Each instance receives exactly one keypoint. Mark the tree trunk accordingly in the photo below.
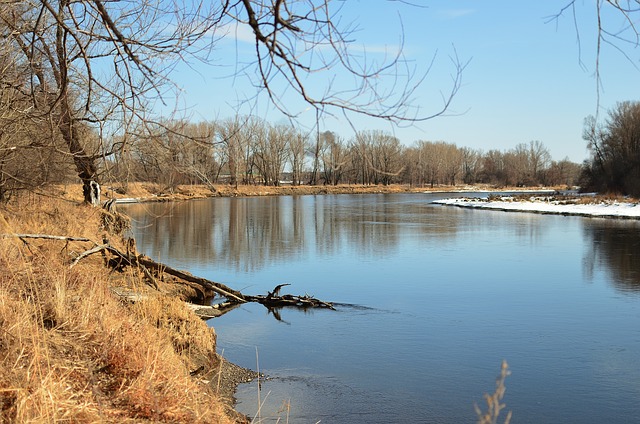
(85, 164)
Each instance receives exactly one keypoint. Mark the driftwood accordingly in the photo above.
(203, 311)
(218, 288)
(273, 300)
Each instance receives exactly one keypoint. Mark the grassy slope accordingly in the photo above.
(71, 350)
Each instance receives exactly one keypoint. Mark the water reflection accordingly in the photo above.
(614, 246)
(249, 233)
(447, 293)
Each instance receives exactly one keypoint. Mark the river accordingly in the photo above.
(430, 298)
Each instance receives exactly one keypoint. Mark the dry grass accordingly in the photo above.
(159, 192)
(70, 350)
(494, 400)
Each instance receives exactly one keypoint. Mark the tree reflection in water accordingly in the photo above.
(615, 246)
(249, 233)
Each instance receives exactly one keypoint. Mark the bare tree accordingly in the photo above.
(493, 168)
(96, 63)
(298, 144)
(471, 164)
(271, 151)
(316, 152)
(539, 159)
(386, 158)
(615, 151)
(231, 137)
(196, 161)
(452, 163)
(288, 36)
(334, 158)
(433, 162)
(362, 156)
(563, 172)
(516, 166)
(106, 64)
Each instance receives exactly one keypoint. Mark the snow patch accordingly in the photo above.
(540, 205)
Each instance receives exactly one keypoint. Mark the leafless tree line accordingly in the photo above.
(247, 150)
(81, 78)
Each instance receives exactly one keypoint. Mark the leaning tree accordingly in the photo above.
(107, 65)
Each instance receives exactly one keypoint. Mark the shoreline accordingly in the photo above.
(184, 345)
(98, 355)
(581, 206)
(149, 192)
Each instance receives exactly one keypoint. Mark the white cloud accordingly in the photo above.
(238, 32)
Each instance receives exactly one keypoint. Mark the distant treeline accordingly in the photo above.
(614, 166)
(251, 151)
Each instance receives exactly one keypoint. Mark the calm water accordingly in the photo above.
(434, 298)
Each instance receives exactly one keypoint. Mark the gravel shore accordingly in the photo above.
(226, 381)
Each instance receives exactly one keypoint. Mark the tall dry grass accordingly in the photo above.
(71, 351)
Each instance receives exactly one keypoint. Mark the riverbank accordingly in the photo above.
(73, 350)
(587, 206)
(151, 192)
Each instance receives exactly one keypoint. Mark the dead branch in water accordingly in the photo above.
(273, 300)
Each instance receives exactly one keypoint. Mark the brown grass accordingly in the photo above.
(72, 351)
(158, 192)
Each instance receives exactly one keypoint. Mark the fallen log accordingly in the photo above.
(218, 288)
(272, 300)
(44, 236)
(203, 311)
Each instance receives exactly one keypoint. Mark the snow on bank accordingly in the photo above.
(547, 206)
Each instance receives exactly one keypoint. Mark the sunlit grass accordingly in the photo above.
(72, 351)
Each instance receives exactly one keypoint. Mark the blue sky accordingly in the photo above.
(526, 79)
